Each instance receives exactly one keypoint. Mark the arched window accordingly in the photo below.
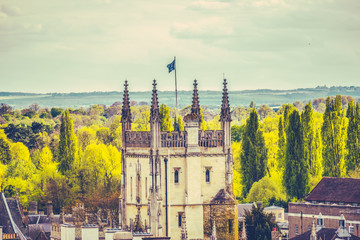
(176, 176)
(207, 175)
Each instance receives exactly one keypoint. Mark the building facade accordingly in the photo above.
(178, 184)
(331, 202)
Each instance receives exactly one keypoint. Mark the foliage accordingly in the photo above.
(333, 134)
(237, 132)
(296, 174)
(312, 142)
(254, 154)
(353, 136)
(56, 112)
(165, 120)
(68, 150)
(259, 224)
(265, 188)
(5, 155)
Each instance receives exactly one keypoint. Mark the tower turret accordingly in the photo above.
(225, 116)
(225, 119)
(125, 111)
(195, 107)
(155, 119)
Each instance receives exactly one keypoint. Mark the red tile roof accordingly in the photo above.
(331, 189)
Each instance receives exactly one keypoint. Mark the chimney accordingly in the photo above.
(49, 211)
(33, 208)
(90, 232)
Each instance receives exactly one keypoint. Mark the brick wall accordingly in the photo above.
(330, 213)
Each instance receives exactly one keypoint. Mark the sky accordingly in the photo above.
(95, 45)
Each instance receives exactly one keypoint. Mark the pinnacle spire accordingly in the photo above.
(195, 108)
(126, 112)
(154, 111)
(243, 231)
(225, 105)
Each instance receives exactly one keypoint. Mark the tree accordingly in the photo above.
(237, 132)
(311, 141)
(254, 154)
(5, 156)
(296, 176)
(45, 158)
(56, 111)
(165, 120)
(353, 135)
(281, 143)
(333, 134)
(259, 224)
(68, 149)
(265, 188)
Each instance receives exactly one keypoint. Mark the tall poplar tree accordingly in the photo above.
(311, 154)
(296, 174)
(68, 149)
(352, 143)
(254, 154)
(333, 133)
(281, 143)
(165, 120)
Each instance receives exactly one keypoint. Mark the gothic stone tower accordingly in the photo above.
(199, 176)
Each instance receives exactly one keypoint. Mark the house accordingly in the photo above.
(331, 198)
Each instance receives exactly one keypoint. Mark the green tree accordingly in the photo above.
(237, 132)
(254, 154)
(68, 149)
(103, 135)
(203, 125)
(311, 154)
(259, 224)
(5, 155)
(333, 134)
(265, 188)
(165, 120)
(353, 130)
(281, 143)
(296, 174)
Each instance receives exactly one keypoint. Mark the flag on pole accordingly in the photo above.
(171, 66)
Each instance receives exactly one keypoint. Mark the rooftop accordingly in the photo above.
(331, 189)
(325, 233)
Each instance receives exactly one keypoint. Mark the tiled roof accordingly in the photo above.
(324, 233)
(244, 207)
(222, 197)
(331, 189)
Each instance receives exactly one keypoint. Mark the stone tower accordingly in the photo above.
(198, 175)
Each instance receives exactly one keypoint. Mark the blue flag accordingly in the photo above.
(171, 66)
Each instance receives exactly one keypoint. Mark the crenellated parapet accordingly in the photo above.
(173, 139)
(140, 139)
(211, 138)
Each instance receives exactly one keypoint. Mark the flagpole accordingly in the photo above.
(177, 124)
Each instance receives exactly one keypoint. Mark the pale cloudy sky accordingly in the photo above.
(94, 45)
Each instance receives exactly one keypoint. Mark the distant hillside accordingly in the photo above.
(211, 99)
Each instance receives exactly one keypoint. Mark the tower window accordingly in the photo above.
(131, 188)
(230, 225)
(296, 229)
(176, 176)
(207, 175)
(180, 219)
